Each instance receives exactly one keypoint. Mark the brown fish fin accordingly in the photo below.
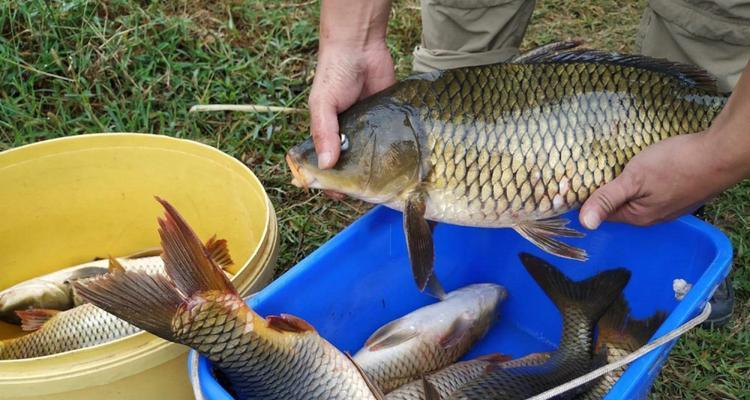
(528, 360)
(456, 332)
(186, 259)
(430, 392)
(147, 252)
(34, 318)
(115, 265)
(288, 323)
(618, 327)
(495, 358)
(545, 50)
(374, 388)
(144, 300)
(592, 296)
(418, 240)
(688, 74)
(390, 334)
(542, 234)
(219, 252)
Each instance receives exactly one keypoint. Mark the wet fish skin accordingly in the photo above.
(621, 334)
(581, 304)
(449, 379)
(278, 357)
(77, 328)
(53, 291)
(508, 145)
(430, 337)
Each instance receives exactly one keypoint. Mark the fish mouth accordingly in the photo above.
(298, 178)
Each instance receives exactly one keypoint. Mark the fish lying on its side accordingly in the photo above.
(60, 331)
(430, 337)
(54, 291)
(621, 335)
(581, 304)
(512, 144)
(278, 357)
(449, 379)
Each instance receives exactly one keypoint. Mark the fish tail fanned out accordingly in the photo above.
(592, 296)
(150, 301)
(619, 327)
(144, 300)
(187, 261)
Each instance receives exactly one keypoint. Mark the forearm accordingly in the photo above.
(731, 132)
(355, 24)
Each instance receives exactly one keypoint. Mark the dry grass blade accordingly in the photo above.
(252, 108)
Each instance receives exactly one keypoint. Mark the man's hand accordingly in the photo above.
(344, 75)
(353, 63)
(676, 175)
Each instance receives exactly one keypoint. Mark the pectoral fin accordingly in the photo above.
(458, 330)
(542, 233)
(419, 240)
(390, 334)
(34, 319)
(289, 323)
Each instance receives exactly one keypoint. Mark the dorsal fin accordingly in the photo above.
(546, 49)
(688, 74)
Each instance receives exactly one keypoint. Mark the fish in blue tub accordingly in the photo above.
(431, 337)
(582, 304)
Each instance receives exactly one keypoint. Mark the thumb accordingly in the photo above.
(606, 200)
(325, 131)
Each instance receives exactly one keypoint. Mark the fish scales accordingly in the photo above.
(195, 304)
(431, 337)
(449, 379)
(513, 144)
(81, 327)
(568, 127)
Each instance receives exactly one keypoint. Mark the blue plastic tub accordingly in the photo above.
(360, 280)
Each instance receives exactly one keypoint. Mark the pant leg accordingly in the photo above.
(712, 34)
(460, 33)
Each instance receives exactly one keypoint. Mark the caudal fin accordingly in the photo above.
(186, 260)
(592, 296)
(150, 301)
(618, 328)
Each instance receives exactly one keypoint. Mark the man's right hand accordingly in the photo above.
(353, 63)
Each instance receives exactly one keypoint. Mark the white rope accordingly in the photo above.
(582, 380)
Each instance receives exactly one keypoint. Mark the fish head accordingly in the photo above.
(379, 154)
(485, 298)
(34, 294)
(479, 304)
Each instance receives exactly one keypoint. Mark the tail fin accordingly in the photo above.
(186, 259)
(146, 301)
(151, 301)
(592, 296)
(616, 327)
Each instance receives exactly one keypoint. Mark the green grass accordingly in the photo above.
(84, 66)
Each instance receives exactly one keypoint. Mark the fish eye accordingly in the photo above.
(344, 143)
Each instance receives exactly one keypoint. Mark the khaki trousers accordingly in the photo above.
(712, 34)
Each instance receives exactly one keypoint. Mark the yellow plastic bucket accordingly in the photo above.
(66, 201)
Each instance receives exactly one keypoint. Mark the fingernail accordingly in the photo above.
(590, 220)
(325, 159)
